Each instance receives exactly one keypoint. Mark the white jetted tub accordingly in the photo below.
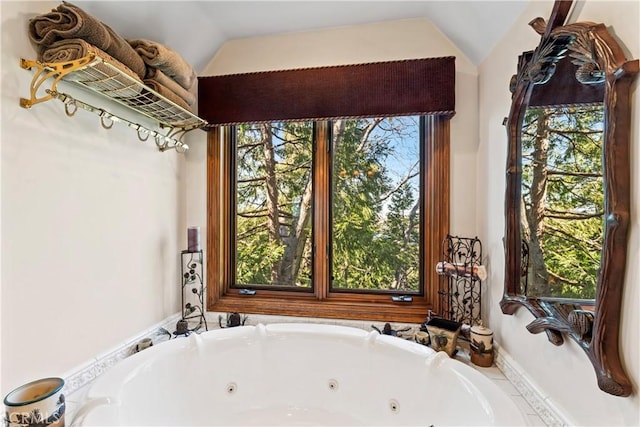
(294, 374)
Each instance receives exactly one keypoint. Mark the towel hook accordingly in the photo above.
(144, 130)
(159, 142)
(70, 103)
(173, 139)
(107, 125)
(181, 147)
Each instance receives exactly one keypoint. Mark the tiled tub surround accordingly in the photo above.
(505, 372)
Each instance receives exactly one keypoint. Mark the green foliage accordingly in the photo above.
(256, 255)
(375, 221)
(571, 227)
(371, 206)
(259, 253)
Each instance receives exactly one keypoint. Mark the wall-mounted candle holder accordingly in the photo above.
(192, 292)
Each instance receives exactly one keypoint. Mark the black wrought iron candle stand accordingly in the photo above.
(193, 287)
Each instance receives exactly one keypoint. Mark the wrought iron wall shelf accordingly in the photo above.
(461, 295)
(98, 75)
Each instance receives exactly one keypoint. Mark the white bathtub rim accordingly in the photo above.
(105, 390)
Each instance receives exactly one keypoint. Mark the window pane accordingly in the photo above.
(273, 205)
(376, 204)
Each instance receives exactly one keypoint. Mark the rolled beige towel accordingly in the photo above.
(167, 93)
(171, 84)
(68, 21)
(166, 60)
(72, 49)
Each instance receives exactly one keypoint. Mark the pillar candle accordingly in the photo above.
(193, 239)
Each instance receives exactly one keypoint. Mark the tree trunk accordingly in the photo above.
(273, 211)
(338, 134)
(364, 139)
(296, 242)
(400, 278)
(538, 276)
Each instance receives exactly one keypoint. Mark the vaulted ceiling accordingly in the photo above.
(196, 29)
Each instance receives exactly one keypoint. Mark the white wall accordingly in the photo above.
(385, 41)
(563, 374)
(91, 226)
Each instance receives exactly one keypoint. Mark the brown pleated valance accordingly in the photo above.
(420, 86)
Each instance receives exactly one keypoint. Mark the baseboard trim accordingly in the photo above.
(545, 409)
(92, 369)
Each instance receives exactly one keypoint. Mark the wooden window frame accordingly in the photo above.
(322, 302)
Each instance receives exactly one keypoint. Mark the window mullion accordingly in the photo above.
(218, 209)
(321, 224)
(436, 183)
